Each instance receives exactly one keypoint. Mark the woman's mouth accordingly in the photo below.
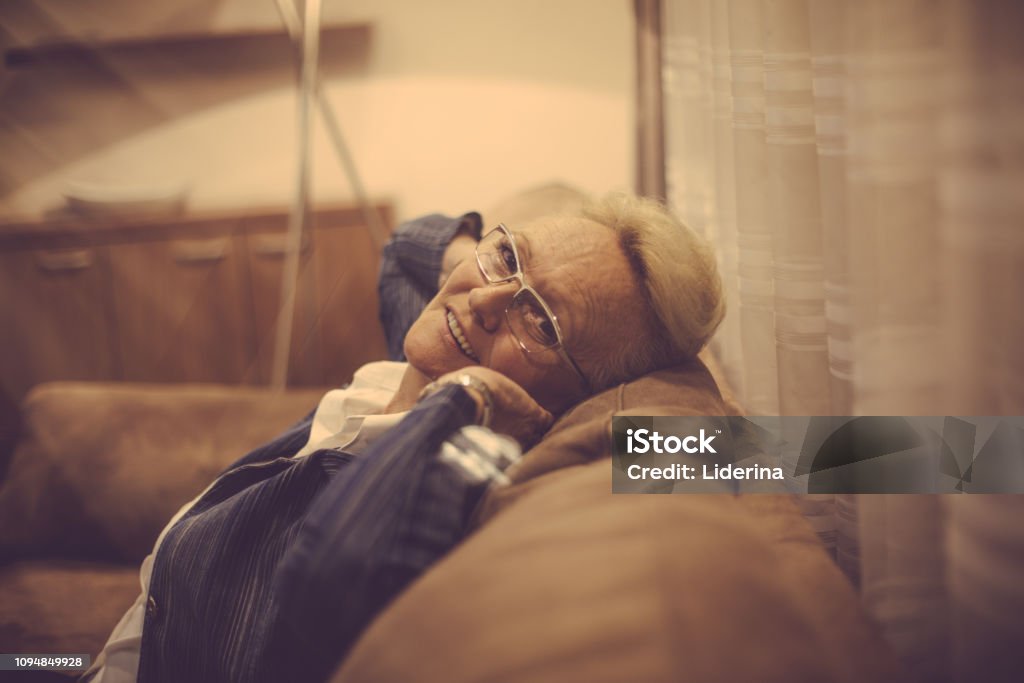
(460, 337)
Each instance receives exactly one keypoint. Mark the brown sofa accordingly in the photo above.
(560, 581)
(99, 470)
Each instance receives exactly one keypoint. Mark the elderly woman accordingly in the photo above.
(274, 570)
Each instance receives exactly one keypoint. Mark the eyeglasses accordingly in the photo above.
(531, 320)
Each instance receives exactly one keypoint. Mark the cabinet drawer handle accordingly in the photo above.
(275, 246)
(203, 251)
(62, 261)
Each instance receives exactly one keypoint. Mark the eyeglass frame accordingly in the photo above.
(520, 276)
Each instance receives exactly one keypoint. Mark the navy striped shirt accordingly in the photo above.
(281, 564)
(277, 569)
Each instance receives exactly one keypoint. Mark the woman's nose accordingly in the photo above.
(487, 303)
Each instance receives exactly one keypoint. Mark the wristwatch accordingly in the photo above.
(470, 382)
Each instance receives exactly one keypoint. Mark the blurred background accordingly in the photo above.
(858, 166)
(153, 160)
(446, 105)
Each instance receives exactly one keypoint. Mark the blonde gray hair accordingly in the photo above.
(677, 275)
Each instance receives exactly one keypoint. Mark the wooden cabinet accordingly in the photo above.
(190, 299)
(335, 328)
(55, 324)
(266, 256)
(349, 326)
(180, 310)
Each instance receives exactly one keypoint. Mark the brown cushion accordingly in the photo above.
(572, 583)
(103, 467)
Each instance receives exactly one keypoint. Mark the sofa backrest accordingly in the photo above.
(564, 581)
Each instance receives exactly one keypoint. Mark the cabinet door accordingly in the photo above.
(335, 327)
(266, 252)
(56, 318)
(347, 264)
(181, 310)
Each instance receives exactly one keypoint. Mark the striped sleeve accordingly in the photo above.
(380, 523)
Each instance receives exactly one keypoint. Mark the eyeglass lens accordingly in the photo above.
(530, 321)
(527, 314)
(498, 257)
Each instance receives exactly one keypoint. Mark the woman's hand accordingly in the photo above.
(513, 411)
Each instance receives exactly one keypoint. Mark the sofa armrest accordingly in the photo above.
(101, 468)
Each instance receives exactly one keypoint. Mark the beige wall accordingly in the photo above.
(450, 105)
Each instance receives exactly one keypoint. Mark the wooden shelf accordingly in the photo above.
(72, 50)
(65, 229)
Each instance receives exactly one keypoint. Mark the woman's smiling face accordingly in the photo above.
(582, 274)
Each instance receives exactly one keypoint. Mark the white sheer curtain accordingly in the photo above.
(860, 167)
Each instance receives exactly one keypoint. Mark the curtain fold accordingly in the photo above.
(860, 168)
